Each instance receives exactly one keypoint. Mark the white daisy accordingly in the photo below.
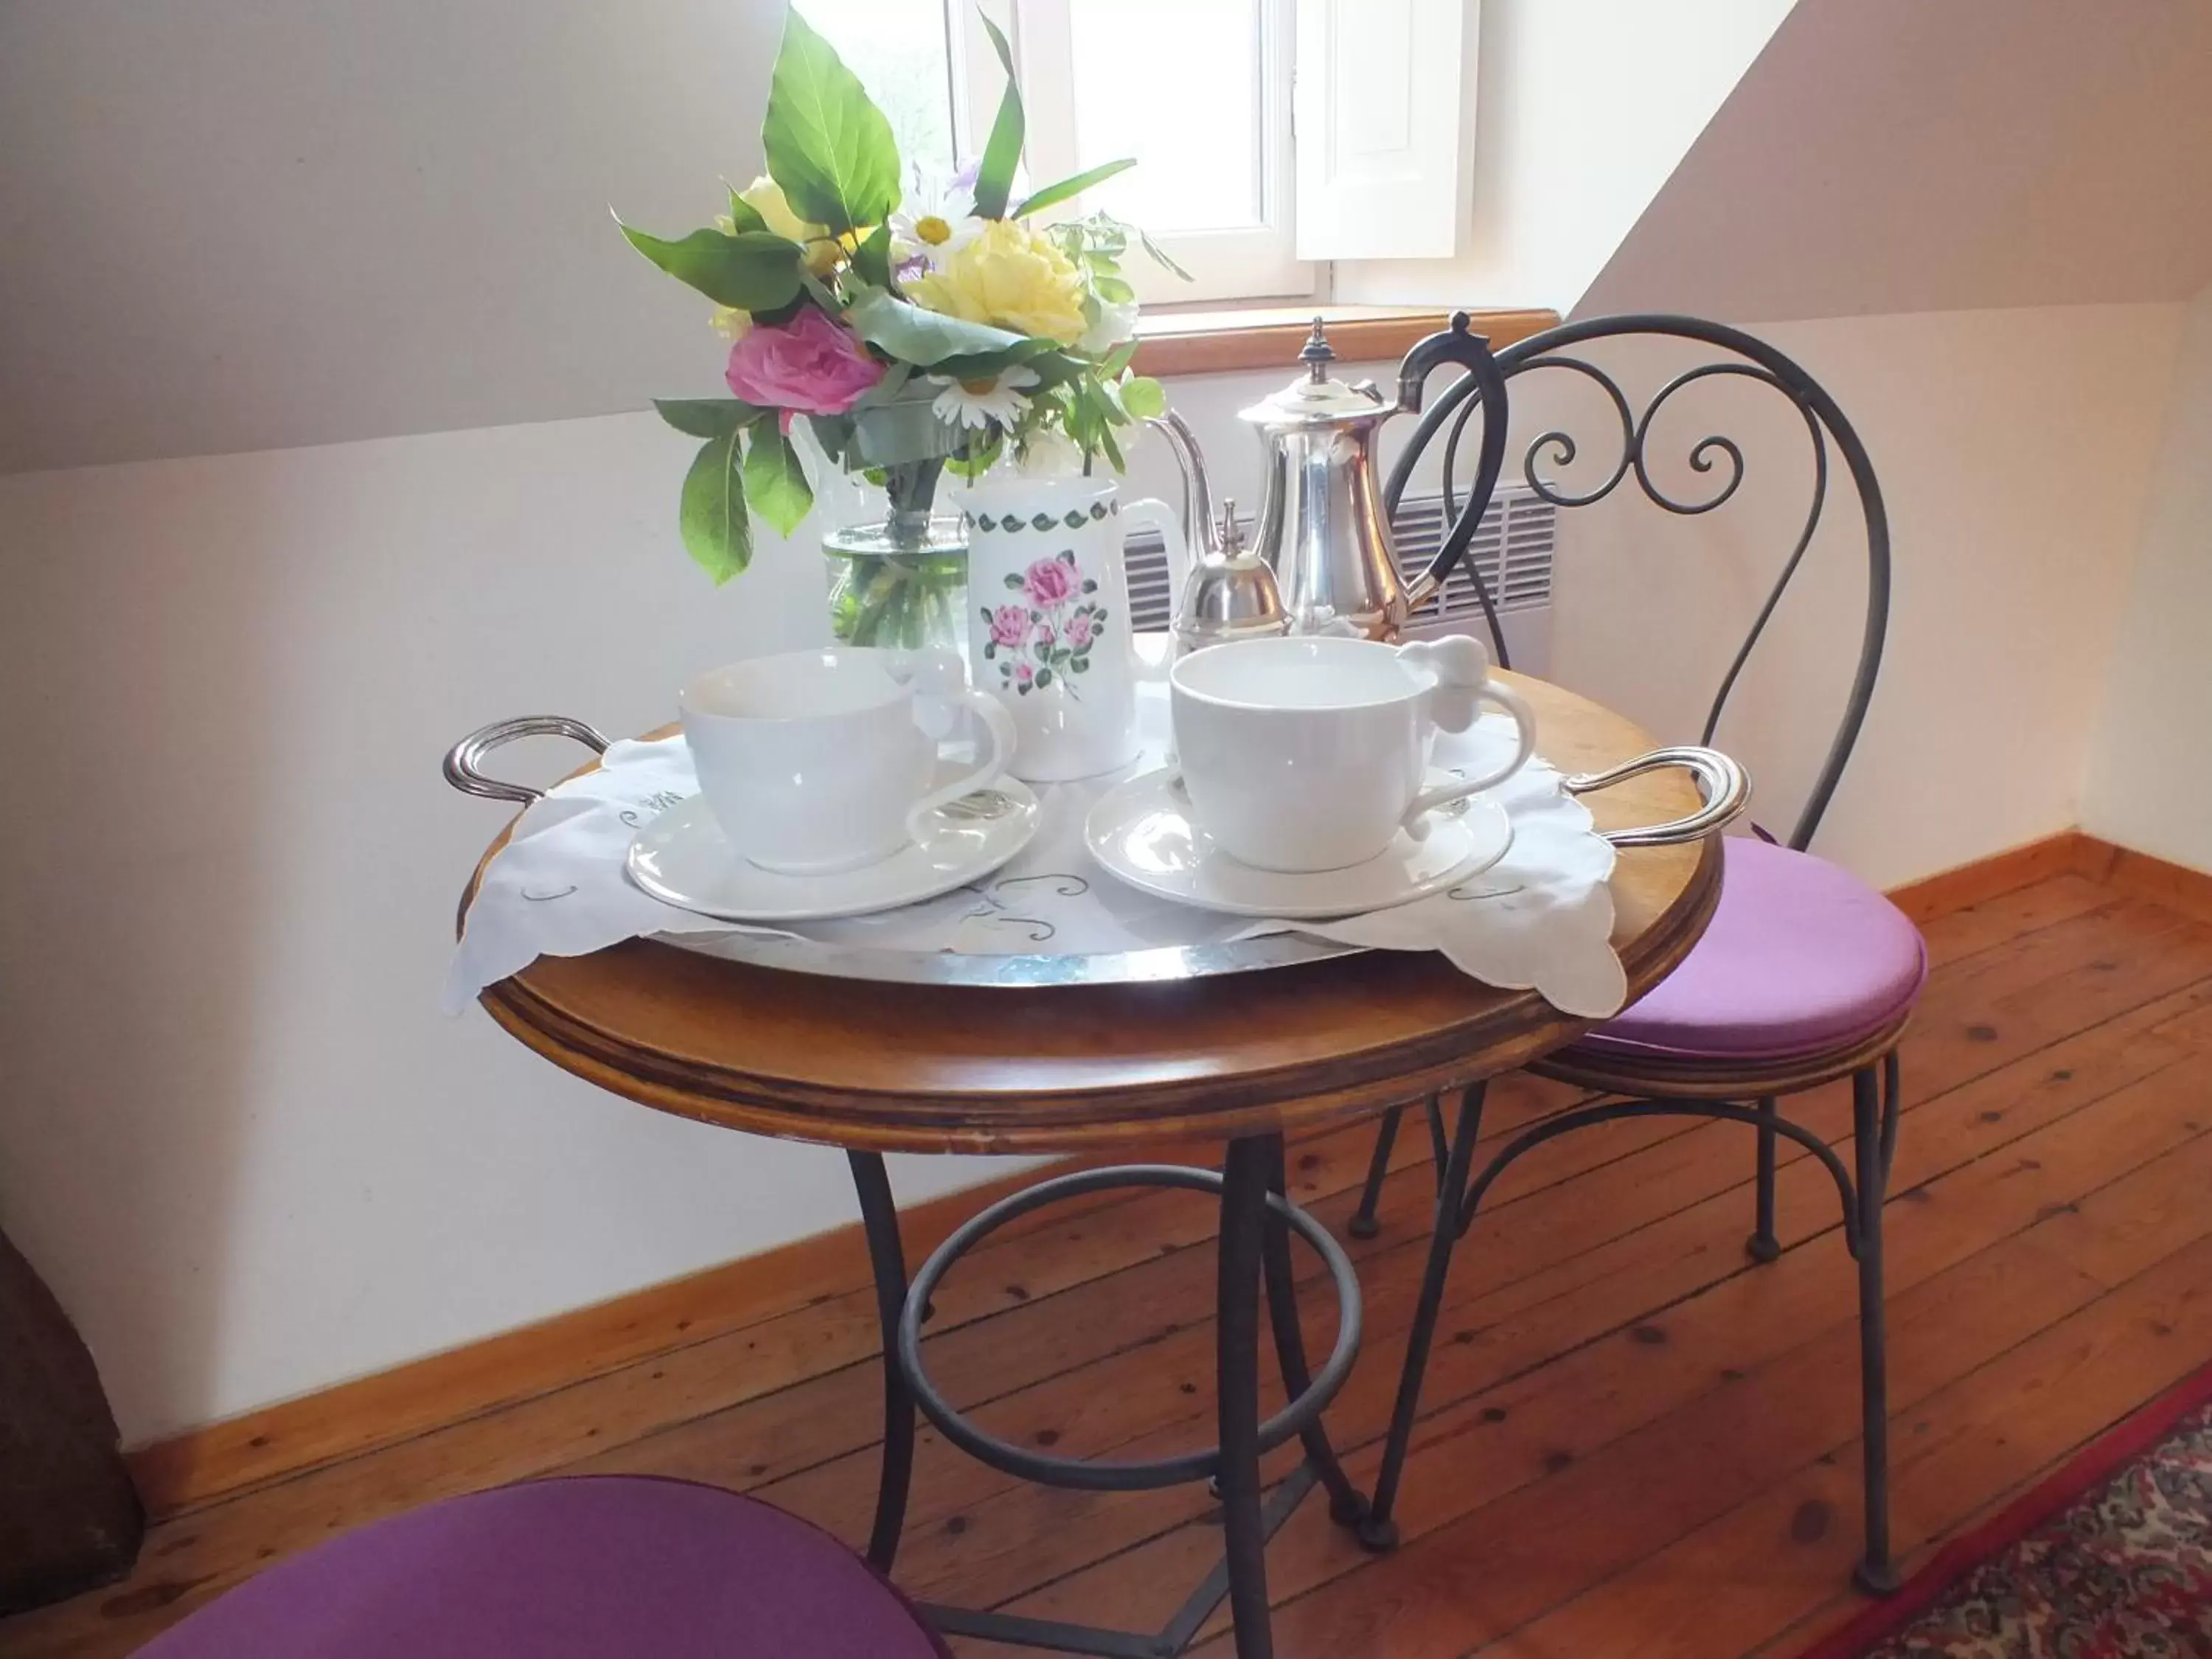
(937, 219)
(979, 403)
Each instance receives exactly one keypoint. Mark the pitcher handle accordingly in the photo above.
(1150, 509)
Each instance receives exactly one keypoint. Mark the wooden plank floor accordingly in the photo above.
(1634, 1442)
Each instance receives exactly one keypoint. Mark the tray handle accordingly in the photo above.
(462, 767)
(1722, 781)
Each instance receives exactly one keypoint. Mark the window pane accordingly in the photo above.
(898, 48)
(1175, 83)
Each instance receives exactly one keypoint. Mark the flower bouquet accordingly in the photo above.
(915, 326)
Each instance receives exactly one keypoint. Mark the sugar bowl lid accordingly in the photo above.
(1314, 399)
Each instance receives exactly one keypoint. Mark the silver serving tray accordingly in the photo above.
(1724, 783)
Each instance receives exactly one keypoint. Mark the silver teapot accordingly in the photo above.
(1321, 559)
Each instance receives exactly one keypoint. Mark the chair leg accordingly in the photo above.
(1876, 1573)
(1762, 1245)
(1363, 1224)
(1377, 1531)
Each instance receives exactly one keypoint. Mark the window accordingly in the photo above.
(1199, 91)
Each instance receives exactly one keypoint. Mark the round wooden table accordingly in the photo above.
(1240, 1059)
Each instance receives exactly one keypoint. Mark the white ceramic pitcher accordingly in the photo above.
(1048, 617)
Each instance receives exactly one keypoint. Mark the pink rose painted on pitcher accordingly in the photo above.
(1050, 581)
(1046, 640)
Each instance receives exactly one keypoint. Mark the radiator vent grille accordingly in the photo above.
(1512, 550)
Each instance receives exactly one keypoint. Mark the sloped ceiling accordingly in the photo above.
(245, 224)
(1901, 155)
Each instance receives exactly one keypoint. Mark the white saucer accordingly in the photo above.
(681, 859)
(1143, 833)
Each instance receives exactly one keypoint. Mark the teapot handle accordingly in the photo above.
(1456, 345)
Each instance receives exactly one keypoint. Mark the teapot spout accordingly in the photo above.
(1201, 534)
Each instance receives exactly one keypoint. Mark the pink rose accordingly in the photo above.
(1010, 626)
(1024, 673)
(1050, 581)
(809, 366)
(1079, 629)
(1044, 633)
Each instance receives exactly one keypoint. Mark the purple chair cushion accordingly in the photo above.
(1802, 959)
(596, 1567)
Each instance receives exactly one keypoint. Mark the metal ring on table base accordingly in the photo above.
(1127, 1475)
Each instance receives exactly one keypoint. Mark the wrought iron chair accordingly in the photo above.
(1806, 976)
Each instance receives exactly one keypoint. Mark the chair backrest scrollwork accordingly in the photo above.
(1747, 358)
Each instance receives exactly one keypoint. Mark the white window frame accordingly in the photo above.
(1257, 263)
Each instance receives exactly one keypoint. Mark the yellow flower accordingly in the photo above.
(1009, 276)
(731, 324)
(765, 196)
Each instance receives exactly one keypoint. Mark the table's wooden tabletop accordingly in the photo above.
(1078, 1068)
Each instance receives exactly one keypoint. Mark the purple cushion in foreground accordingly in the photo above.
(606, 1567)
(1802, 957)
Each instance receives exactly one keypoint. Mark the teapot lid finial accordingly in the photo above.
(1232, 531)
(1317, 354)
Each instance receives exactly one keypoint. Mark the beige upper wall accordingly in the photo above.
(2150, 783)
(1896, 156)
(243, 224)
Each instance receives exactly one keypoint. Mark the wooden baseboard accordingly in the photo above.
(219, 1459)
(1949, 891)
(2174, 885)
(266, 1445)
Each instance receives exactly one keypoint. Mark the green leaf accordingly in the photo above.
(871, 260)
(834, 433)
(1002, 151)
(775, 484)
(975, 460)
(1114, 289)
(924, 338)
(1144, 397)
(1118, 360)
(751, 270)
(1068, 189)
(1160, 257)
(743, 213)
(712, 516)
(827, 143)
(705, 418)
(1043, 678)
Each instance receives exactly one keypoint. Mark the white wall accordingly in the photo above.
(2150, 785)
(252, 1160)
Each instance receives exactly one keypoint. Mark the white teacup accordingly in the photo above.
(817, 762)
(1307, 753)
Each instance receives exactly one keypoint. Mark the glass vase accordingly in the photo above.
(901, 585)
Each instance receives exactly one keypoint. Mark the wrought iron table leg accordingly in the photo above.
(1877, 1572)
(1378, 1532)
(879, 1218)
(1762, 1245)
(1244, 1174)
(1362, 1224)
(1347, 1506)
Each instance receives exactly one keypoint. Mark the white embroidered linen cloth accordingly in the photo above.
(1541, 918)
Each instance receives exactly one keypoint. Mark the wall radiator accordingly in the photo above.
(1513, 551)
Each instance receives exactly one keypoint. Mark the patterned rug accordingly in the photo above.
(2109, 1558)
